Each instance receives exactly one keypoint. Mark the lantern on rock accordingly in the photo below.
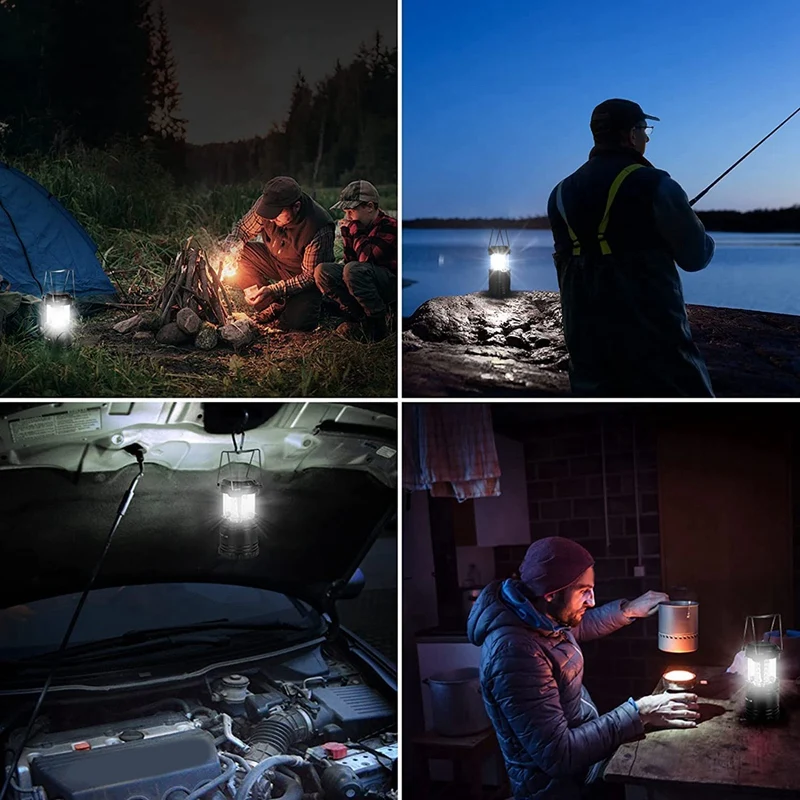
(58, 305)
(499, 264)
(238, 479)
(762, 693)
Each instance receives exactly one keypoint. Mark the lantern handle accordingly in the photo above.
(751, 621)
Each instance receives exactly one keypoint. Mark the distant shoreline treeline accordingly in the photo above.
(781, 220)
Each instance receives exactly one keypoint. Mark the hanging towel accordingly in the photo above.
(450, 450)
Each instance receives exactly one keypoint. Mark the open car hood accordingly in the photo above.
(328, 486)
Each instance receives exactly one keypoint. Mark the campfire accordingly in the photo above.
(193, 306)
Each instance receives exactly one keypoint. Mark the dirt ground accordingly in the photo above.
(476, 346)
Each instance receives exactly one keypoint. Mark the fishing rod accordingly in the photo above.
(712, 185)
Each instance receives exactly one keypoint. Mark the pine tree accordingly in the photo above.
(165, 94)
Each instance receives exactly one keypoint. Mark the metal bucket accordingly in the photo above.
(457, 703)
(678, 625)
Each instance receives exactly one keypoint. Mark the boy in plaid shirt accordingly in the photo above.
(366, 283)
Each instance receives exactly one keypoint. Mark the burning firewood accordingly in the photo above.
(193, 283)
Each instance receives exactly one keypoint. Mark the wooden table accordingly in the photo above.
(722, 757)
(468, 754)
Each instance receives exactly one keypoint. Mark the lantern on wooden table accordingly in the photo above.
(58, 305)
(499, 264)
(238, 479)
(762, 692)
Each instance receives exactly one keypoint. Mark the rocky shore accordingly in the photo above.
(473, 345)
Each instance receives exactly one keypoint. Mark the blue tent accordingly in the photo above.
(38, 234)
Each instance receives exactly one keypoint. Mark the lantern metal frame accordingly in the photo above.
(499, 264)
(762, 702)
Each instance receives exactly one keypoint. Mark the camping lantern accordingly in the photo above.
(58, 304)
(762, 692)
(238, 481)
(678, 626)
(499, 264)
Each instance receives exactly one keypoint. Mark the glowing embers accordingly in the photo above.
(499, 264)
(238, 479)
(679, 680)
(762, 691)
(58, 305)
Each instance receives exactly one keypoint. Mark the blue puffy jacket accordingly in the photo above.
(551, 734)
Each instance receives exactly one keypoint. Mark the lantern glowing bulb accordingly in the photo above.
(57, 314)
(499, 261)
(239, 501)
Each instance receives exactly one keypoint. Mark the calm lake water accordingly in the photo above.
(749, 270)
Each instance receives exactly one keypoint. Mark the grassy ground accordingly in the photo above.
(140, 219)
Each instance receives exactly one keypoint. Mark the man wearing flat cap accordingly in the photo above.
(277, 274)
(620, 226)
(366, 282)
(554, 741)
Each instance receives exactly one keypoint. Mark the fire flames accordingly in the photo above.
(228, 261)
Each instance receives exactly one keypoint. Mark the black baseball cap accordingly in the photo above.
(279, 193)
(617, 115)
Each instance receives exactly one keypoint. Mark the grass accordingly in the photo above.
(140, 218)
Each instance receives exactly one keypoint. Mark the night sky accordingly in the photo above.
(497, 98)
(237, 59)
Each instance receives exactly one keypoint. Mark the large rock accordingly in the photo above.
(207, 337)
(237, 334)
(475, 345)
(128, 325)
(171, 334)
(188, 321)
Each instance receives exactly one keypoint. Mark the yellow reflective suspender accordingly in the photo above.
(576, 245)
(601, 231)
(612, 193)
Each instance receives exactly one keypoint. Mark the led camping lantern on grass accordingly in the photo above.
(499, 264)
(762, 693)
(58, 302)
(238, 479)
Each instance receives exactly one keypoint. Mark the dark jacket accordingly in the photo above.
(549, 731)
(624, 315)
(288, 244)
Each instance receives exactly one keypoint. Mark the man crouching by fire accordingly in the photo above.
(365, 284)
(277, 274)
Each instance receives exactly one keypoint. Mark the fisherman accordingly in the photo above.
(277, 275)
(620, 225)
(554, 741)
(365, 284)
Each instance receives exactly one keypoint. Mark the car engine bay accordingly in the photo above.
(311, 727)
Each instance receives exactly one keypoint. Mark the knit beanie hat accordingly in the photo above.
(552, 564)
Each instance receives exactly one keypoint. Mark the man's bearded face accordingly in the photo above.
(569, 605)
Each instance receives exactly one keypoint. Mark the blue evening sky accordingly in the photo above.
(497, 97)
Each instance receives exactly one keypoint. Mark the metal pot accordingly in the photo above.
(457, 703)
(677, 626)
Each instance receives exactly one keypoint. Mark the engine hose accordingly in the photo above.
(274, 735)
(292, 790)
(255, 774)
(215, 782)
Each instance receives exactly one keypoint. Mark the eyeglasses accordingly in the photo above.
(648, 129)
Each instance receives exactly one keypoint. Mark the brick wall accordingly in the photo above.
(564, 466)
